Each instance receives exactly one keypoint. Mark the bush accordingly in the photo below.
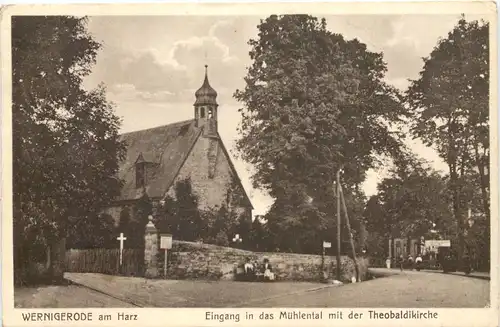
(221, 239)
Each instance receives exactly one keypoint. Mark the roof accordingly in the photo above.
(166, 146)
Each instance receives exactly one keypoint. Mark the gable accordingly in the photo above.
(212, 173)
(235, 174)
(165, 148)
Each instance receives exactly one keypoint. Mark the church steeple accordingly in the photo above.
(205, 107)
(206, 95)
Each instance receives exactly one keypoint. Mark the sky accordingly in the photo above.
(152, 66)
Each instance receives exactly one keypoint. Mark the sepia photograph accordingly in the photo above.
(287, 160)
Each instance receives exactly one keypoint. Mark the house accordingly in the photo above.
(157, 158)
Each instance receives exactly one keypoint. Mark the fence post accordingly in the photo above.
(58, 259)
(151, 249)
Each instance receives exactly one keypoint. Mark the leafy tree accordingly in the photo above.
(259, 237)
(65, 138)
(221, 239)
(124, 223)
(180, 214)
(313, 102)
(376, 218)
(96, 231)
(410, 201)
(450, 103)
(141, 210)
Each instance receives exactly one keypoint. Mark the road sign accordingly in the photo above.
(165, 241)
(327, 245)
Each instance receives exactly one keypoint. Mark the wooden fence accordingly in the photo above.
(105, 261)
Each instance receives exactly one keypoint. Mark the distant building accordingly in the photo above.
(404, 247)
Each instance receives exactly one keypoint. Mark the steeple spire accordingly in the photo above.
(206, 95)
(205, 107)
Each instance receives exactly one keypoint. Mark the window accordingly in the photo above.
(210, 114)
(140, 175)
(202, 112)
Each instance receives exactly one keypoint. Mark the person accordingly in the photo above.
(267, 270)
(466, 264)
(418, 262)
(410, 262)
(249, 269)
(401, 262)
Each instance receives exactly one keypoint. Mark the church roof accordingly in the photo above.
(165, 148)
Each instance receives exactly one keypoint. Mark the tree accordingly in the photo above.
(376, 218)
(410, 201)
(313, 102)
(65, 138)
(96, 231)
(180, 214)
(450, 104)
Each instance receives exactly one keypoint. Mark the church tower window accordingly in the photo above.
(202, 112)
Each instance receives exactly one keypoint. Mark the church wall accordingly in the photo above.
(211, 192)
(114, 212)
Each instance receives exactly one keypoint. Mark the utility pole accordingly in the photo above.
(341, 195)
(337, 193)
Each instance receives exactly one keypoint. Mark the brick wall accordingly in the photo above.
(192, 260)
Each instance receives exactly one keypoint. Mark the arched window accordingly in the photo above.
(202, 115)
(210, 113)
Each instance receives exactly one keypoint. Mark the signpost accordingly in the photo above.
(121, 238)
(165, 244)
(325, 246)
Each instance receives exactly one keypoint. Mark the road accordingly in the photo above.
(409, 289)
(71, 296)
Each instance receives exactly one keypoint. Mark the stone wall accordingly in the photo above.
(194, 260)
(210, 191)
(210, 185)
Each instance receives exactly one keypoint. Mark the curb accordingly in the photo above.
(471, 276)
(107, 294)
(377, 274)
(395, 273)
(460, 274)
(243, 304)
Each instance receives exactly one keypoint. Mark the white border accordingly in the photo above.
(190, 317)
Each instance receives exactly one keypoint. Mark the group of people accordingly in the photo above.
(417, 263)
(252, 271)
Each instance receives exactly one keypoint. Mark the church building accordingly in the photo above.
(157, 158)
